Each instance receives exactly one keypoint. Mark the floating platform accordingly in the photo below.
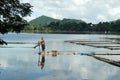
(91, 54)
(114, 48)
(98, 44)
(21, 43)
(81, 53)
(112, 62)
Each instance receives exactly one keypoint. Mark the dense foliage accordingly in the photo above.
(109, 27)
(69, 25)
(11, 15)
(73, 25)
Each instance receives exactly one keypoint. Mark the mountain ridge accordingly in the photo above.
(45, 20)
(42, 20)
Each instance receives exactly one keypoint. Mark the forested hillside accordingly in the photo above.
(47, 24)
(42, 20)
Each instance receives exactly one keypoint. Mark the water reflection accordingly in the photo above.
(41, 62)
(25, 64)
(0, 68)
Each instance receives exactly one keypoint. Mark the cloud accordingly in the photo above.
(87, 10)
(114, 11)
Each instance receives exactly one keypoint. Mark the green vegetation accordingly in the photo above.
(36, 29)
(68, 25)
(11, 16)
(46, 24)
(109, 27)
(42, 20)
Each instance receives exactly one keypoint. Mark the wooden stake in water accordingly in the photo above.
(39, 48)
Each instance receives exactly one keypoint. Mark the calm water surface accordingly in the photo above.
(22, 62)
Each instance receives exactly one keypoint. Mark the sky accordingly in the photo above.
(94, 11)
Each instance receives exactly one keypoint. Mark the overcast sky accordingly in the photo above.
(87, 10)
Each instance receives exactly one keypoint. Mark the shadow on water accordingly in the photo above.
(41, 61)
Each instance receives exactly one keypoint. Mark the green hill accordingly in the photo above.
(48, 24)
(72, 20)
(42, 20)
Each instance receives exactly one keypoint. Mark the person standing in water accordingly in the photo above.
(42, 43)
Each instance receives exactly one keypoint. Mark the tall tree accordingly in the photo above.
(11, 15)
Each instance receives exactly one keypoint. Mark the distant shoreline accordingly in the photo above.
(70, 32)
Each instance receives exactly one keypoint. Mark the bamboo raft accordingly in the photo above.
(80, 53)
(98, 44)
(21, 43)
(112, 62)
(103, 46)
(114, 48)
(94, 55)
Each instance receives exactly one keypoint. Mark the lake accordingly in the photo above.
(22, 62)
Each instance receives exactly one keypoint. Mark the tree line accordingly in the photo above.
(73, 26)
